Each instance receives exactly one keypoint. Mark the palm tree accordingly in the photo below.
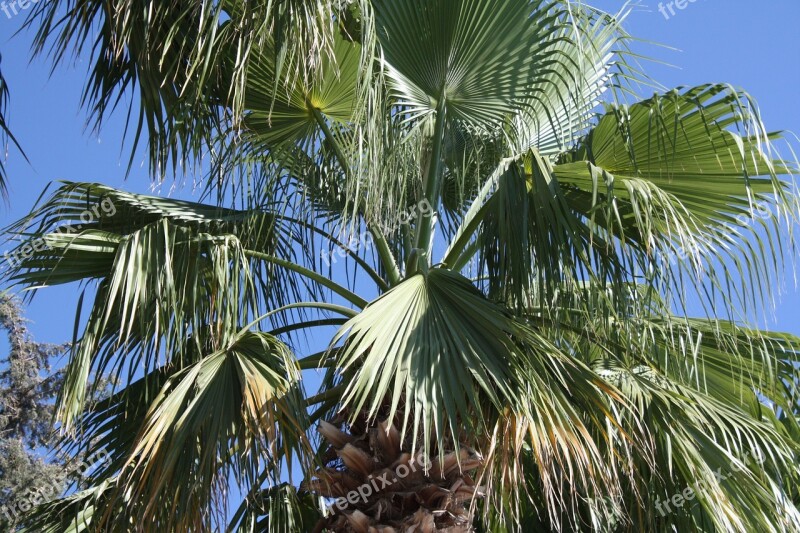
(506, 240)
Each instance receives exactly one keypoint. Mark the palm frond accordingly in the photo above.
(682, 416)
(594, 60)
(435, 345)
(280, 509)
(229, 413)
(529, 240)
(665, 188)
(186, 64)
(235, 409)
(167, 271)
(461, 367)
(478, 59)
(692, 177)
(6, 137)
(278, 115)
(71, 514)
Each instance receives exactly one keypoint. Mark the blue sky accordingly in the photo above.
(744, 43)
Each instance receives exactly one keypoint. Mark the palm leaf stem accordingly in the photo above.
(433, 186)
(329, 137)
(317, 360)
(334, 393)
(376, 277)
(385, 255)
(308, 325)
(310, 274)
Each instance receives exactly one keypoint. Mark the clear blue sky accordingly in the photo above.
(749, 44)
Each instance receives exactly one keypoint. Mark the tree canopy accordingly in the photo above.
(518, 235)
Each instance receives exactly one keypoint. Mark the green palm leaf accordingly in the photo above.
(685, 403)
(278, 115)
(188, 64)
(685, 144)
(398, 348)
(241, 403)
(592, 52)
(692, 176)
(476, 59)
(229, 413)
(71, 514)
(168, 271)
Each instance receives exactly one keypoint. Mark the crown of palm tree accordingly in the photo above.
(535, 314)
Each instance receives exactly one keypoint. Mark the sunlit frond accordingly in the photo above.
(683, 412)
(72, 514)
(592, 51)
(229, 413)
(235, 407)
(435, 345)
(278, 115)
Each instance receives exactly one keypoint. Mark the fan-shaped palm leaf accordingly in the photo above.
(277, 115)
(472, 60)
(189, 62)
(234, 411)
